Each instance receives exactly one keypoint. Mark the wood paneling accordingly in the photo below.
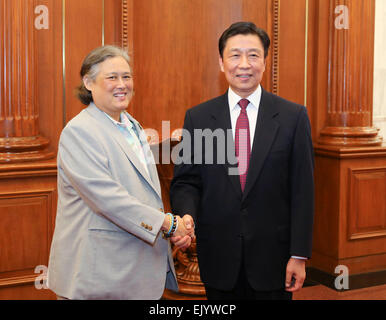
(350, 213)
(292, 50)
(349, 226)
(175, 62)
(49, 72)
(326, 221)
(112, 22)
(367, 217)
(24, 230)
(88, 24)
(317, 65)
(27, 212)
(83, 32)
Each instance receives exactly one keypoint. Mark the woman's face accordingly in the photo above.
(112, 88)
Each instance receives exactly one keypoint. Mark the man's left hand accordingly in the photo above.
(295, 274)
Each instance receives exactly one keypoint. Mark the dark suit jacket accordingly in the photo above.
(273, 218)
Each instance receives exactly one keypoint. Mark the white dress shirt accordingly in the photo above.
(252, 110)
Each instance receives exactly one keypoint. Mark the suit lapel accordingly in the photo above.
(265, 132)
(222, 120)
(114, 132)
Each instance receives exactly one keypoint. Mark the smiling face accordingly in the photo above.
(112, 88)
(243, 63)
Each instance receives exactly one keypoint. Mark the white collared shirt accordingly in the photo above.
(252, 110)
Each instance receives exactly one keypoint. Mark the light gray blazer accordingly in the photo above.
(107, 242)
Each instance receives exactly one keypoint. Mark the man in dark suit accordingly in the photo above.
(253, 228)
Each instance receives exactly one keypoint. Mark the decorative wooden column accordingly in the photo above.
(19, 113)
(350, 76)
(350, 160)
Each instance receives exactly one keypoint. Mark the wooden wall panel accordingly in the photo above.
(88, 24)
(363, 211)
(83, 32)
(317, 60)
(27, 212)
(367, 217)
(326, 230)
(112, 22)
(292, 41)
(362, 244)
(176, 62)
(25, 225)
(266, 14)
(50, 74)
(349, 225)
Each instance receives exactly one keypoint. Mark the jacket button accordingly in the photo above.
(150, 228)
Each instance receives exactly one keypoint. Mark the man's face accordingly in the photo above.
(112, 89)
(243, 63)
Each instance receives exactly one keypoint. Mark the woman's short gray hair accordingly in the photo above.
(90, 67)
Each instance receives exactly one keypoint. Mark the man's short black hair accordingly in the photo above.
(245, 28)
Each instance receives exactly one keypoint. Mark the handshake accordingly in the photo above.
(180, 230)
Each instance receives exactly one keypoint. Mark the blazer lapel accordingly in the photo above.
(114, 132)
(152, 168)
(222, 120)
(265, 132)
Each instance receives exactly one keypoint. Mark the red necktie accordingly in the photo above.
(242, 142)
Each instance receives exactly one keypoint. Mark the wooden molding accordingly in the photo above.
(28, 169)
(350, 136)
(275, 45)
(125, 24)
(350, 152)
(18, 281)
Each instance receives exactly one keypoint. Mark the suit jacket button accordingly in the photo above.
(143, 225)
(150, 228)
